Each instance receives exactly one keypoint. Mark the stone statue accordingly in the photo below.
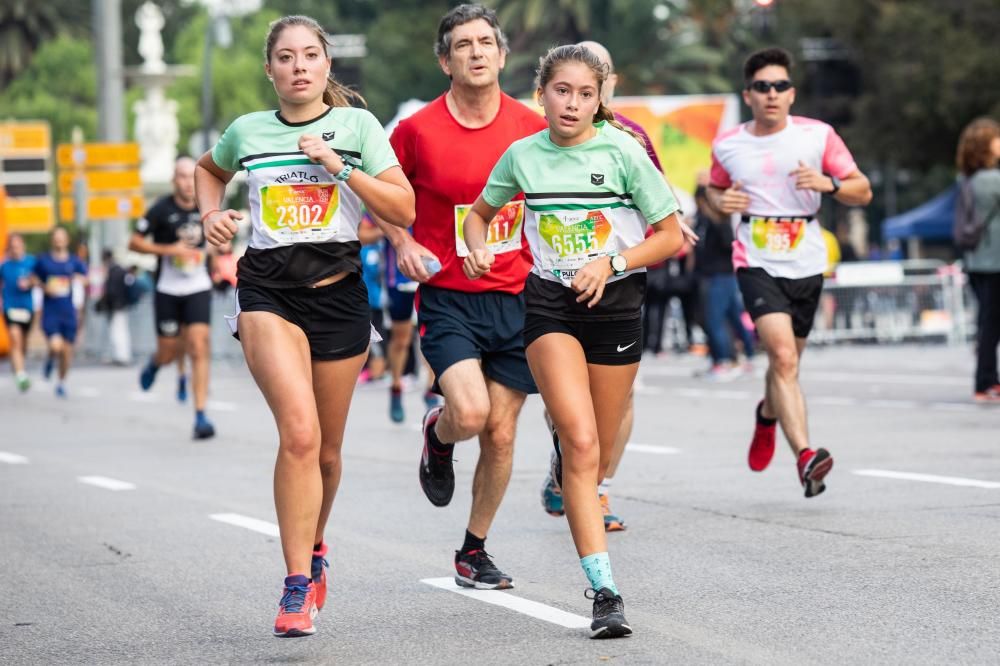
(157, 133)
(149, 18)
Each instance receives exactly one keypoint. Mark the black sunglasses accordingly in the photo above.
(765, 86)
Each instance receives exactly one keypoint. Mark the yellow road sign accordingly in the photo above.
(106, 207)
(89, 155)
(29, 215)
(30, 138)
(102, 181)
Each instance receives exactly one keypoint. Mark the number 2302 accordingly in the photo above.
(302, 215)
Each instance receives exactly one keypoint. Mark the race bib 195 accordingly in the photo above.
(503, 234)
(299, 213)
(777, 238)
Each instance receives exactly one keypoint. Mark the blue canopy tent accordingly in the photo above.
(931, 220)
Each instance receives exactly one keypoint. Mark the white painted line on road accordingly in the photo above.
(928, 478)
(890, 404)
(143, 397)
(652, 448)
(646, 389)
(12, 458)
(509, 601)
(848, 377)
(954, 407)
(833, 400)
(220, 406)
(262, 526)
(106, 483)
(88, 392)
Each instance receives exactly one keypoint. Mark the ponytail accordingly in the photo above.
(337, 94)
(604, 113)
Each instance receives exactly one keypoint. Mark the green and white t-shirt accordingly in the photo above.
(581, 202)
(305, 222)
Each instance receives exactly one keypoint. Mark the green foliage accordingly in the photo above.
(58, 86)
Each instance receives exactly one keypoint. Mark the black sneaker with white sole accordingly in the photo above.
(609, 615)
(476, 569)
(437, 471)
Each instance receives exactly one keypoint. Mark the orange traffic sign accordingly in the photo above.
(104, 207)
(29, 214)
(89, 155)
(102, 181)
(25, 139)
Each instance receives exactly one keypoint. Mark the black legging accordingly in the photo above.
(987, 289)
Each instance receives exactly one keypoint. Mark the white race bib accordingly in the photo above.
(503, 234)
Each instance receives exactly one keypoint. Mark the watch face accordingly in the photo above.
(618, 263)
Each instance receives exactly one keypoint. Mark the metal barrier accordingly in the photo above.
(885, 301)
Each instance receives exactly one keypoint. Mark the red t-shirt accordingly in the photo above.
(448, 166)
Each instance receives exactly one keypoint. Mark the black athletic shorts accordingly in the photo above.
(763, 294)
(173, 312)
(20, 317)
(489, 326)
(336, 318)
(604, 342)
(400, 304)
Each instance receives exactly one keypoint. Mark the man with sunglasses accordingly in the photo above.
(773, 171)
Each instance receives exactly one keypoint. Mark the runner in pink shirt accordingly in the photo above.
(773, 171)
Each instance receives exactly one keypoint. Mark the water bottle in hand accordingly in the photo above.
(431, 265)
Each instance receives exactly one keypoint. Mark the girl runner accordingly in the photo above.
(301, 306)
(589, 189)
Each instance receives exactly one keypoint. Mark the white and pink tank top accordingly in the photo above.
(779, 231)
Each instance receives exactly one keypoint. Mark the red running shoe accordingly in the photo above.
(319, 567)
(762, 445)
(989, 396)
(813, 468)
(296, 609)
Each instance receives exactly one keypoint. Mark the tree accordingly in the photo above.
(25, 25)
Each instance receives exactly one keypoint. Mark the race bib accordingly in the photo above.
(188, 265)
(777, 238)
(299, 213)
(19, 315)
(503, 234)
(572, 239)
(58, 286)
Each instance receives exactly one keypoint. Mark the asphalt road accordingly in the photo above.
(897, 563)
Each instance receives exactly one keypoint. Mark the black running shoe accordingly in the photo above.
(437, 473)
(609, 615)
(476, 569)
(555, 462)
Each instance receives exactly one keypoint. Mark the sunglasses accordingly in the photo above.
(765, 86)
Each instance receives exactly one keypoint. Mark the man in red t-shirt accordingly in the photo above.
(471, 331)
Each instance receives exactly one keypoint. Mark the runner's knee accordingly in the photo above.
(785, 361)
(301, 440)
(468, 416)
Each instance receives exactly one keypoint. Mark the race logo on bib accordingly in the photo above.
(503, 234)
(298, 208)
(776, 236)
(573, 233)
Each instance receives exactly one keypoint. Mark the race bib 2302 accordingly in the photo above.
(299, 213)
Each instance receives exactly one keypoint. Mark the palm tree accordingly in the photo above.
(25, 24)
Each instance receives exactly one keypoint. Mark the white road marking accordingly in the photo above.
(106, 483)
(262, 526)
(828, 376)
(928, 478)
(507, 600)
(646, 389)
(143, 397)
(833, 400)
(651, 448)
(890, 404)
(12, 458)
(220, 406)
(88, 392)
(953, 407)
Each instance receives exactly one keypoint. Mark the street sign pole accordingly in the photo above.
(107, 22)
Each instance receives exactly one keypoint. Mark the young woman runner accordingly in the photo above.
(301, 306)
(589, 188)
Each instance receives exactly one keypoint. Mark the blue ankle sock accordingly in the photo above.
(199, 416)
(598, 570)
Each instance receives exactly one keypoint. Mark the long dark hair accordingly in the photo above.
(558, 55)
(336, 93)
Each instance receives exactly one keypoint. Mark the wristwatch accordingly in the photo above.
(344, 173)
(836, 185)
(619, 264)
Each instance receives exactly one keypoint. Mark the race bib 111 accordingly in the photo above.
(503, 234)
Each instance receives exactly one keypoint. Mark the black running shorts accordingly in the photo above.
(336, 318)
(173, 312)
(607, 342)
(488, 326)
(763, 294)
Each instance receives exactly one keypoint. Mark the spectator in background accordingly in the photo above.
(16, 276)
(723, 303)
(224, 267)
(372, 260)
(977, 159)
(847, 250)
(114, 304)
